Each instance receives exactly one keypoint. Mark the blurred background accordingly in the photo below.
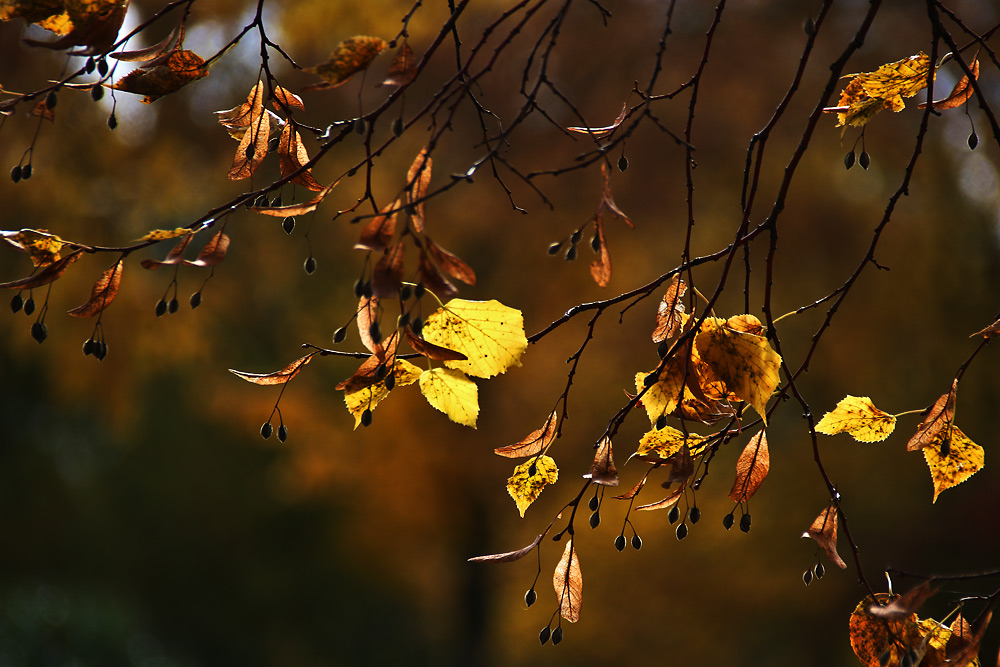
(144, 521)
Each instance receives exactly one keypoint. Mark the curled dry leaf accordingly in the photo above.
(905, 605)
(367, 314)
(751, 469)
(665, 503)
(824, 531)
(433, 279)
(403, 68)
(431, 351)
(989, 332)
(606, 129)
(292, 156)
(45, 276)
(960, 94)
(450, 264)
(534, 442)
(567, 580)
(277, 377)
(936, 417)
(600, 268)
(213, 252)
(670, 311)
(636, 488)
(350, 57)
(387, 274)
(175, 255)
(179, 69)
(602, 470)
(103, 292)
(377, 235)
(418, 181)
(153, 55)
(295, 209)
(509, 556)
(253, 146)
(858, 417)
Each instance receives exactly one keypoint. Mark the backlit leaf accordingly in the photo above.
(668, 315)
(872, 636)
(213, 252)
(292, 155)
(380, 230)
(534, 442)
(151, 54)
(103, 292)
(45, 276)
(661, 444)
(870, 92)
(488, 333)
(367, 397)
(418, 180)
(43, 248)
(636, 488)
(937, 417)
(665, 503)
(525, 488)
(451, 264)
(568, 583)
(858, 417)
(286, 99)
(387, 274)
(175, 255)
(960, 94)
(351, 56)
(368, 312)
(93, 24)
(403, 67)
(824, 531)
(371, 369)
(600, 268)
(180, 68)
(277, 377)
(963, 459)
(751, 468)
(43, 110)
(602, 470)
(165, 234)
(904, 605)
(744, 362)
(963, 645)
(433, 279)
(295, 209)
(453, 393)
(509, 556)
(431, 351)
(253, 146)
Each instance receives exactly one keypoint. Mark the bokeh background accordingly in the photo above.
(143, 521)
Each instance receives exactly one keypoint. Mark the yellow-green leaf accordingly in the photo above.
(662, 396)
(525, 488)
(43, 247)
(451, 392)
(952, 458)
(661, 444)
(868, 93)
(744, 362)
(488, 333)
(858, 417)
(164, 234)
(366, 398)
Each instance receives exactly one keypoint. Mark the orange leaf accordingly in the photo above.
(937, 417)
(634, 491)
(103, 293)
(751, 468)
(567, 580)
(600, 269)
(418, 181)
(253, 146)
(960, 94)
(990, 331)
(509, 556)
(277, 377)
(824, 531)
(351, 56)
(94, 24)
(173, 257)
(403, 68)
(46, 275)
(387, 275)
(669, 314)
(43, 110)
(534, 442)
(433, 280)
(292, 155)
(380, 230)
(180, 68)
(451, 264)
(368, 314)
(607, 129)
(213, 252)
(666, 503)
(295, 209)
(285, 98)
(602, 470)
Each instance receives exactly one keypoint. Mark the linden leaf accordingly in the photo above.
(453, 393)
(662, 396)
(488, 333)
(418, 181)
(534, 442)
(660, 444)
(351, 56)
(937, 417)
(387, 274)
(525, 487)
(870, 92)
(824, 531)
(45, 276)
(277, 377)
(960, 94)
(568, 583)
(292, 156)
(668, 315)
(286, 99)
(90, 23)
(509, 556)
(871, 636)
(180, 68)
(254, 144)
(744, 362)
(295, 209)
(403, 68)
(377, 235)
(103, 292)
(213, 252)
(952, 458)
(451, 264)
(431, 351)
(602, 470)
(666, 503)
(367, 398)
(858, 417)
(751, 469)
(43, 248)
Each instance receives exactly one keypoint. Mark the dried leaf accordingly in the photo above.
(103, 292)
(963, 645)
(751, 469)
(608, 201)
(534, 442)
(568, 583)
(989, 332)
(253, 146)
(606, 129)
(634, 491)
(824, 531)
(600, 268)
(937, 417)
(744, 362)
(277, 377)
(295, 209)
(380, 230)
(450, 264)
(285, 99)
(372, 370)
(151, 55)
(403, 68)
(45, 276)
(960, 94)
(431, 351)
(870, 92)
(418, 181)
(165, 234)
(43, 110)
(952, 458)
(175, 255)
(180, 68)
(453, 393)
(665, 503)
(858, 417)
(387, 275)
(351, 56)
(292, 156)
(43, 248)
(490, 334)
(602, 470)
(433, 280)
(670, 312)
(509, 556)
(368, 312)
(359, 399)
(905, 605)
(213, 252)
(872, 636)
(525, 488)
(93, 24)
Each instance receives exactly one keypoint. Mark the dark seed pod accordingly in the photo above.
(909, 659)
(673, 515)
(594, 504)
(662, 349)
(576, 236)
(39, 331)
(405, 292)
(865, 160)
(661, 421)
(351, 173)
(97, 92)
(397, 127)
(29, 306)
(265, 430)
(544, 635)
(571, 253)
(16, 303)
(636, 542)
(89, 67)
(727, 521)
(694, 514)
(102, 351)
(359, 126)
(366, 417)
(88, 347)
(390, 381)
(682, 531)
(112, 122)
(807, 577)
(819, 570)
(595, 519)
(973, 141)
(532, 470)
(102, 67)
(273, 143)
(696, 484)
(417, 326)
(276, 202)
(530, 597)
(195, 300)
(849, 160)
(282, 433)
(26, 172)
(620, 543)
(173, 306)
(745, 523)
(288, 224)
(359, 287)
(622, 163)
(595, 243)
(339, 335)
(375, 332)
(15, 173)
(945, 448)
(553, 248)
(557, 635)
(380, 373)
(886, 656)
(309, 266)
(419, 290)
(261, 201)
(404, 319)
(51, 99)
(161, 308)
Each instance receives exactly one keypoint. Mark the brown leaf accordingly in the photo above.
(510, 556)
(175, 255)
(904, 605)
(963, 645)
(450, 264)
(295, 209)
(387, 275)
(277, 377)
(600, 269)
(351, 56)
(403, 68)
(42, 110)
(155, 54)
(45, 276)
(380, 230)
(432, 351)
(368, 372)
(960, 94)
(180, 68)
(751, 468)
(568, 583)
(253, 146)
(94, 25)
(433, 280)
(824, 531)
(368, 312)
(989, 332)
(666, 503)
(534, 442)
(43, 247)
(602, 470)
(103, 293)
(938, 416)
(213, 252)
(418, 181)
(286, 99)
(669, 314)
(681, 466)
(608, 201)
(606, 129)
(634, 491)
(292, 155)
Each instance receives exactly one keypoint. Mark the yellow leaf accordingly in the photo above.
(164, 234)
(525, 488)
(858, 417)
(952, 458)
(744, 362)
(368, 397)
(43, 247)
(451, 392)
(661, 444)
(488, 333)
(870, 92)
(661, 398)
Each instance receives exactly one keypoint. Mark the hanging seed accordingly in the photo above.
(636, 542)
(673, 515)
(865, 160)
(594, 504)
(51, 99)
(419, 290)
(173, 306)
(571, 253)
(309, 266)
(16, 302)
(359, 126)
(557, 635)
(276, 202)
(15, 175)
(112, 122)
(265, 430)
(682, 531)
(404, 319)
(359, 287)
(727, 521)
(405, 292)
(417, 326)
(650, 379)
(886, 656)
(973, 141)
(576, 236)
(88, 347)
(849, 160)
(622, 163)
(662, 349)
(745, 523)
(390, 381)
(366, 417)
(39, 331)
(161, 308)
(375, 332)
(29, 306)
(397, 127)
(102, 67)
(97, 93)
(195, 300)
(807, 577)
(288, 224)
(101, 351)
(26, 172)
(694, 514)
(530, 597)
(544, 635)
(261, 200)
(553, 249)
(595, 243)
(282, 433)
(661, 421)
(620, 543)
(532, 470)
(339, 335)
(819, 570)
(89, 66)
(595, 519)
